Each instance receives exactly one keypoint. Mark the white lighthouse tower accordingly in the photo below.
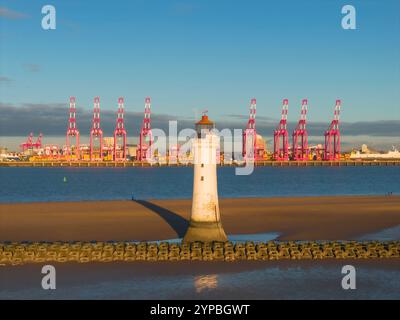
(205, 222)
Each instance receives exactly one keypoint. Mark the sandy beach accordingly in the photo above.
(306, 218)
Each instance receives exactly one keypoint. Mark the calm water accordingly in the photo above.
(47, 184)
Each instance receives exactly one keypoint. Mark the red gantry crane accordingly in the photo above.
(332, 136)
(119, 153)
(38, 143)
(250, 135)
(281, 136)
(96, 132)
(28, 144)
(300, 135)
(144, 152)
(72, 130)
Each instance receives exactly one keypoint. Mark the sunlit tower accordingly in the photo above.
(120, 132)
(205, 220)
(72, 130)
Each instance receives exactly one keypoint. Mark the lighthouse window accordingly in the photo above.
(202, 178)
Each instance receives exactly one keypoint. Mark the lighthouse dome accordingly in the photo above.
(204, 125)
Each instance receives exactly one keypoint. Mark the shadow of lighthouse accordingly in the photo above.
(176, 222)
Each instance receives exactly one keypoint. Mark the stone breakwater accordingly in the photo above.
(16, 253)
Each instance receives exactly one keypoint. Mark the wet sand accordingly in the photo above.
(301, 279)
(305, 218)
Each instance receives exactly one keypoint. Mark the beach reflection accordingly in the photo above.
(205, 282)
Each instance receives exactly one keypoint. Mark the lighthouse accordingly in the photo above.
(205, 221)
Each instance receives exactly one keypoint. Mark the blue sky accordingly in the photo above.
(213, 55)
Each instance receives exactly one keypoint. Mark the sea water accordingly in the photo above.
(48, 184)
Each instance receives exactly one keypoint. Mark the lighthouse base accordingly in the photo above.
(205, 232)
